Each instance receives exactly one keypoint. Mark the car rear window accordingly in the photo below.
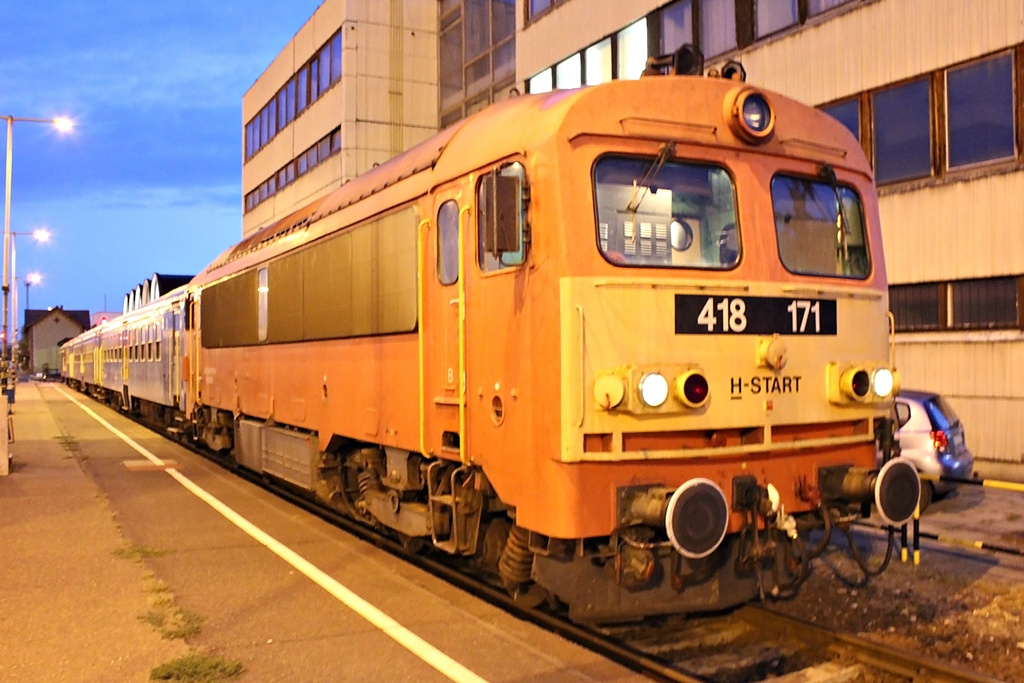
(941, 413)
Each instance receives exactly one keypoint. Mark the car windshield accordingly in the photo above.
(816, 236)
(941, 413)
(653, 212)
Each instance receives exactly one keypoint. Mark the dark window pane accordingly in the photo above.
(291, 100)
(847, 113)
(325, 72)
(314, 81)
(676, 26)
(302, 165)
(478, 27)
(902, 132)
(335, 141)
(775, 15)
(336, 59)
(272, 118)
(819, 6)
(985, 304)
(717, 26)
(979, 102)
(264, 127)
(451, 64)
(503, 19)
(282, 108)
(312, 157)
(324, 148)
(538, 6)
(248, 140)
(303, 89)
(915, 307)
(504, 60)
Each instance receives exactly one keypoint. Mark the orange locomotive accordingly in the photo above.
(616, 346)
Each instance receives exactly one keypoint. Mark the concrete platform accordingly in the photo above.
(109, 568)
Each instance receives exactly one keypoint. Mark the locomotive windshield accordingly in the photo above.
(652, 212)
(816, 235)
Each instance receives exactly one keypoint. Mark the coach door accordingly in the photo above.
(439, 325)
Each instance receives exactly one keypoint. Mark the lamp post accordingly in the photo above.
(63, 125)
(42, 236)
(31, 279)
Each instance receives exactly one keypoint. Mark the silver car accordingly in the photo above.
(931, 436)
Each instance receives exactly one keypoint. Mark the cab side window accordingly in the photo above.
(502, 231)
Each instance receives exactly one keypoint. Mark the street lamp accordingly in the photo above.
(31, 279)
(42, 236)
(62, 125)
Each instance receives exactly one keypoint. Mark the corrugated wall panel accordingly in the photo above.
(981, 379)
(881, 43)
(960, 230)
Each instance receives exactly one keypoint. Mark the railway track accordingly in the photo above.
(752, 643)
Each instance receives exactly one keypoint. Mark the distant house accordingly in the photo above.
(45, 331)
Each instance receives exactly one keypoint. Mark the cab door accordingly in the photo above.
(441, 328)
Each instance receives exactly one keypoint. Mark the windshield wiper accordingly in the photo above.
(640, 190)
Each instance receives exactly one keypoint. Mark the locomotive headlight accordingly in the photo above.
(757, 115)
(653, 388)
(883, 382)
(750, 114)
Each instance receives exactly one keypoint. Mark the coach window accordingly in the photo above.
(902, 132)
(262, 290)
(820, 228)
(448, 243)
(501, 218)
(979, 111)
(657, 213)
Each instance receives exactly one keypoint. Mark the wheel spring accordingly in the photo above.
(516, 560)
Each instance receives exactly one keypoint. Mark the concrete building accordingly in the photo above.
(355, 86)
(932, 90)
(45, 331)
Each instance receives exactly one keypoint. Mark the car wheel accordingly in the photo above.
(927, 494)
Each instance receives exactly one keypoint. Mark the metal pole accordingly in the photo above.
(7, 252)
(14, 307)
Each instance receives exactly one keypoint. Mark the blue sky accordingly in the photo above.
(150, 178)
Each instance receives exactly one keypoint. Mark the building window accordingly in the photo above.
(632, 49)
(847, 113)
(819, 6)
(477, 55)
(598, 60)
(902, 132)
(979, 111)
(569, 73)
(717, 26)
(984, 304)
(542, 82)
(774, 15)
(916, 307)
(676, 26)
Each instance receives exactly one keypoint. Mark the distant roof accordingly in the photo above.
(34, 315)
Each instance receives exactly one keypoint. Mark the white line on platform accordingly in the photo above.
(409, 640)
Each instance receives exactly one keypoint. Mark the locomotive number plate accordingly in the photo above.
(696, 314)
